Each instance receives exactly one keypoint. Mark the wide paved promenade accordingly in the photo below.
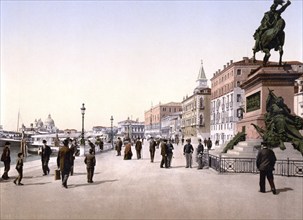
(139, 189)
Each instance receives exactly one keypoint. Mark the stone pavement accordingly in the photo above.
(139, 189)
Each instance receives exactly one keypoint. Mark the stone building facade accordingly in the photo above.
(298, 99)
(131, 129)
(154, 116)
(228, 99)
(196, 110)
(171, 126)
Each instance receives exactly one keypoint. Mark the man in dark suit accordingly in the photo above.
(119, 146)
(6, 159)
(200, 150)
(152, 149)
(138, 148)
(45, 155)
(164, 154)
(90, 162)
(188, 151)
(64, 162)
(266, 160)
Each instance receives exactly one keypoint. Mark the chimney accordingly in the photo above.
(227, 63)
(224, 66)
(245, 59)
(231, 61)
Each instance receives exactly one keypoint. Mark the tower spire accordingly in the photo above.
(201, 80)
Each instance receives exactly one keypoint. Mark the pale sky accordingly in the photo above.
(120, 57)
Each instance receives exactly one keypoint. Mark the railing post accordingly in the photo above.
(219, 163)
(288, 166)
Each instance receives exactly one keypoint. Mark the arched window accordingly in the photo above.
(201, 103)
(201, 120)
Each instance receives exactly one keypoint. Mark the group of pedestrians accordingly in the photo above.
(166, 153)
(65, 161)
(66, 157)
(265, 160)
(128, 154)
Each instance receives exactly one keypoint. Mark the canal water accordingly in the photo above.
(15, 149)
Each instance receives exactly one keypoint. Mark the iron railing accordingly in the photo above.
(248, 165)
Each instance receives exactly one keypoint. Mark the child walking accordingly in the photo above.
(19, 168)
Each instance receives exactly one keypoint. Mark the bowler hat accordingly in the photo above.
(44, 142)
(65, 142)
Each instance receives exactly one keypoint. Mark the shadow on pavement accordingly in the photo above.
(35, 184)
(79, 174)
(177, 167)
(89, 184)
(285, 189)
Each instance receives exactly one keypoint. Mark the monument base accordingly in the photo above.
(280, 79)
(249, 149)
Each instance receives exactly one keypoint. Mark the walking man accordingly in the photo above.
(6, 159)
(164, 154)
(138, 147)
(187, 151)
(200, 150)
(73, 151)
(119, 146)
(45, 155)
(90, 162)
(152, 149)
(64, 162)
(266, 160)
(170, 153)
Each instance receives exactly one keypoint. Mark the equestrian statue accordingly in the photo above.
(270, 34)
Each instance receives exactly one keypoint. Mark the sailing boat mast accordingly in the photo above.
(18, 120)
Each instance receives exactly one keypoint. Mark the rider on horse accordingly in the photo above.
(273, 24)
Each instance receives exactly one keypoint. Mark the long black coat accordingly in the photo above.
(64, 159)
(90, 161)
(152, 145)
(6, 155)
(45, 153)
(266, 159)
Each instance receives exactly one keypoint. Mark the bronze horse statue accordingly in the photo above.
(270, 34)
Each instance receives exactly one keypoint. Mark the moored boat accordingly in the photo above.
(54, 140)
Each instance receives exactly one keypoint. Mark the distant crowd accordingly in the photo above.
(65, 160)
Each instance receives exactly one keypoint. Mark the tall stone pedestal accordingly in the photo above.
(278, 78)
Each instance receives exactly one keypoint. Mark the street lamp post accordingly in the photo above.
(82, 144)
(112, 134)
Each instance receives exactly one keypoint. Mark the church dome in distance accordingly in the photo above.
(49, 121)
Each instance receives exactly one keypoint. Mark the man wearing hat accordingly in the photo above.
(90, 162)
(266, 160)
(64, 162)
(6, 159)
(138, 148)
(200, 150)
(187, 151)
(119, 146)
(152, 149)
(164, 154)
(45, 155)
